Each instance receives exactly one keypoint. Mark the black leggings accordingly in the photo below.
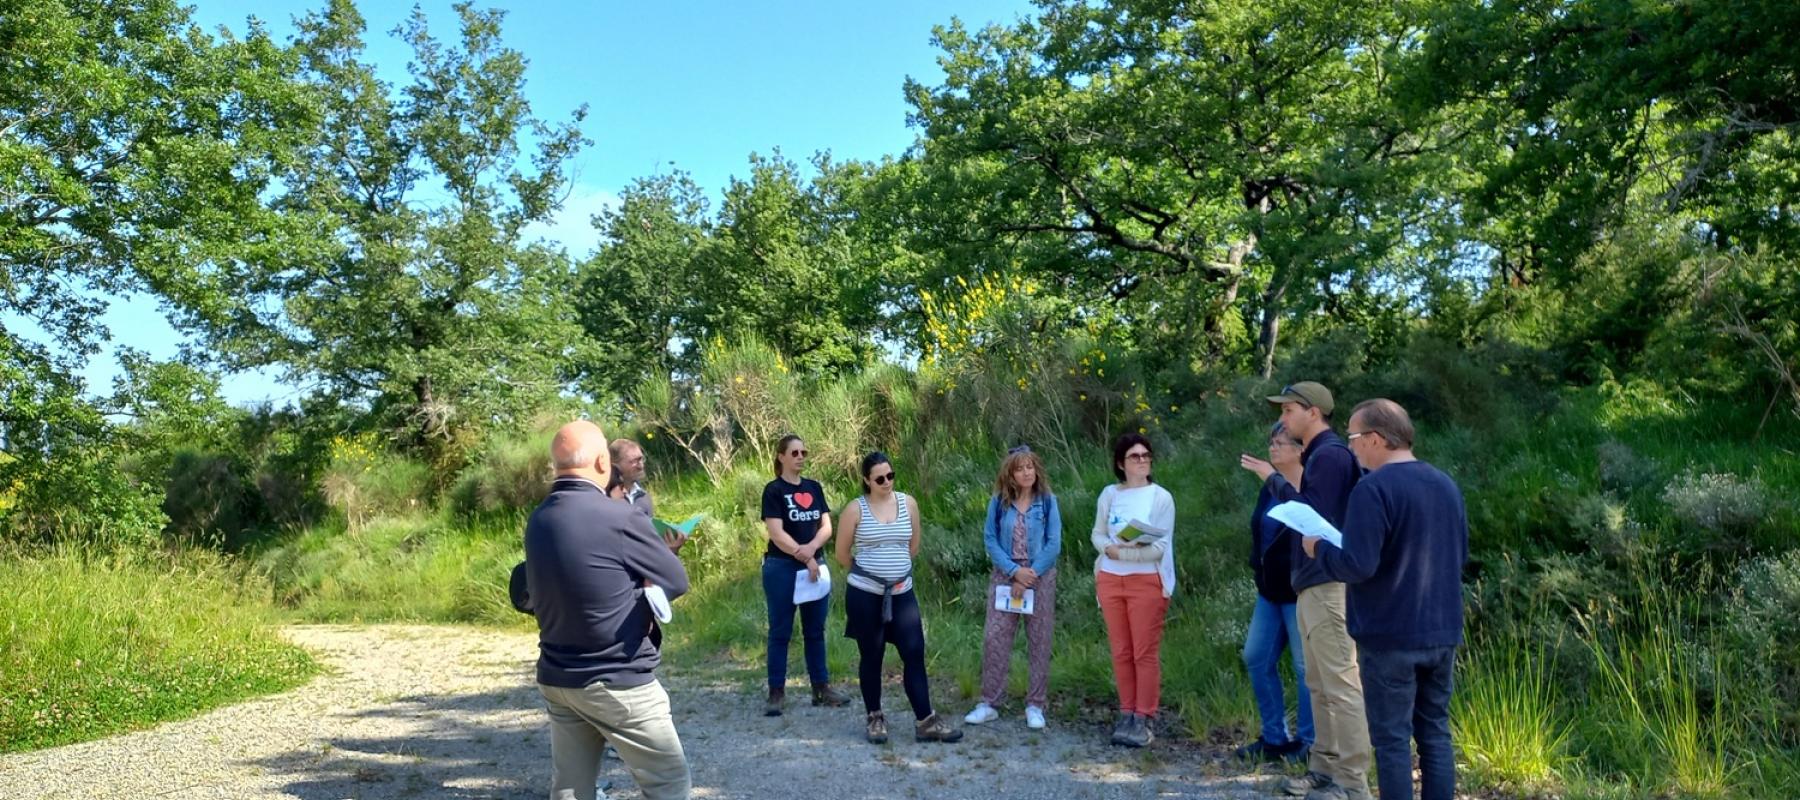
(862, 613)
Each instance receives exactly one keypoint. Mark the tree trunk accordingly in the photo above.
(1271, 324)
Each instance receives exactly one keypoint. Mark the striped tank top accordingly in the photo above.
(882, 548)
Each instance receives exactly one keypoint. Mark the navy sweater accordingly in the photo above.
(1406, 538)
(586, 559)
(1330, 473)
(1270, 560)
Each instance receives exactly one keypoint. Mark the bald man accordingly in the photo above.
(587, 559)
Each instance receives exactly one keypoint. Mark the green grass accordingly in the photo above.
(92, 645)
(1507, 722)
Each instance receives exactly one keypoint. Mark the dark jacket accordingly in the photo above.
(586, 560)
(1406, 538)
(1271, 562)
(1330, 473)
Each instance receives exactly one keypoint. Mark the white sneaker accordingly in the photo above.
(982, 713)
(1034, 717)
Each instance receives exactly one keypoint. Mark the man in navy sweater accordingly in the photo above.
(587, 561)
(1338, 764)
(1406, 537)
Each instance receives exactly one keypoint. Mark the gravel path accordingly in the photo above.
(448, 712)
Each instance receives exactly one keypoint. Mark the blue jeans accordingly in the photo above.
(1406, 695)
(778, 593)
(1272, 629)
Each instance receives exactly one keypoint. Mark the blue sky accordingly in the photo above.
(695, 86)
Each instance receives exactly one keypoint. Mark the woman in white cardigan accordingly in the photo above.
(1134, 576)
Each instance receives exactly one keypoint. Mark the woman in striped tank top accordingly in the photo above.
(880, 537)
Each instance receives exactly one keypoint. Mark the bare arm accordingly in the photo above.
(782, 540)
(849, 538)
(912, 507)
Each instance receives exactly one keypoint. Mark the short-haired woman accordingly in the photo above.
(1134, 576)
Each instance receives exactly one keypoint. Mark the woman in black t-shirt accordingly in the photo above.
(798, 522)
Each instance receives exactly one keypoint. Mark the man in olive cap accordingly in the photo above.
(1338, 765)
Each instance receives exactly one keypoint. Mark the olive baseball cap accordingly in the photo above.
(1305, 392)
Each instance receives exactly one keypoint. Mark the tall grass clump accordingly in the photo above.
(1668, 728)
(93, 644)
(1507, 722)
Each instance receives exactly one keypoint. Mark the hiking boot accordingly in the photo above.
(1305, 784)
(1295, 752)
(777, 696)
(824, 695)
(1260, 751)
(982, 713)
(1138, 733)
(877, 728)
(1122, 731)
(1337, 792)
(935, 729)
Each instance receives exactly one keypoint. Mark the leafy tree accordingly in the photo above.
(418, 293)
(135, 150)
(1164, 145)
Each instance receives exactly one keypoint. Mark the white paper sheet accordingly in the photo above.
(1303, 518)
(807, 590)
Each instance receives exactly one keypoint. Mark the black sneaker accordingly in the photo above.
(1295, 752)
(1261, 750)
(776, 697)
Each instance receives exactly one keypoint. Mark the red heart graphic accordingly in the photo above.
(804, 499)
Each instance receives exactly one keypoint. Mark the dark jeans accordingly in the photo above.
(778, 593)
(905, 632)
(1406, 695)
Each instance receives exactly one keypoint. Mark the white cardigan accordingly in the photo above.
(1162, 515)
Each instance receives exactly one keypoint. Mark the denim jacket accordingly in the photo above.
(1043, 534)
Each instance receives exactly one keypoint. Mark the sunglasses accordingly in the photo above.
(883, 480)
(1300, 397)
(1139, 457)
(796, 454)
(1024, 448)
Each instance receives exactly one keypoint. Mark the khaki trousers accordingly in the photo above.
(1341, 744)
(634, 719)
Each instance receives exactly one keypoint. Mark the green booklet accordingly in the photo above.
(1140, 532)
(684, 527)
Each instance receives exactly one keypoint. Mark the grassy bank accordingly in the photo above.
(97, 645)
(1632, 582)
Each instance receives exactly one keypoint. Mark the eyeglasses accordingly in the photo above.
(883, 480)
(1359, 434)
(1283, 443)
(796, 454)
(1139, 457)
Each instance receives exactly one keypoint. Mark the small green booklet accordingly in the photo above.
(684, 527)
(1140, 532)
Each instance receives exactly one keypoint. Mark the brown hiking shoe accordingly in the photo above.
(824, 695)
(935, 729)
(877, 728)
(776, 698)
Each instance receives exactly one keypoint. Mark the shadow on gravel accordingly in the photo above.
(496, 745)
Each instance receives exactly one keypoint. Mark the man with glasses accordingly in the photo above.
(628, 456)
(1406, 537)
(1338, 765)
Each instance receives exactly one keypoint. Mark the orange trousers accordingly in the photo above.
(1134, 609)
